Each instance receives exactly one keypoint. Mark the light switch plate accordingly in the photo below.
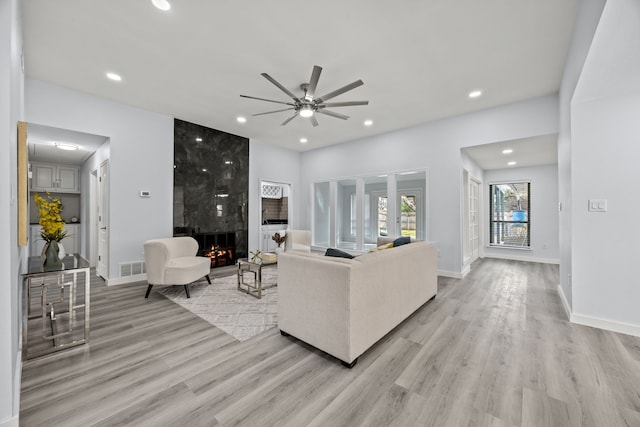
(597, 205)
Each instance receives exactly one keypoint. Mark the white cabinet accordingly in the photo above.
(54, 178)
(71, 242)
(35, 241)
(267, 231)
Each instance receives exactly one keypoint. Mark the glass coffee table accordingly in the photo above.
(248, 267)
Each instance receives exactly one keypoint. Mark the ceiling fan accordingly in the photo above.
(308, 104)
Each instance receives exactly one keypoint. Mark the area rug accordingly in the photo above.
(224, 306)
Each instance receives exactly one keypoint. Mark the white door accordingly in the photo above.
(102, 268)
(474, 219)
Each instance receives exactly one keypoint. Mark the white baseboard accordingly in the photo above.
(452, 274)
(596, 322)
(127, 279)
(523, 258)
(14, 422)
(565, 303)
(609, 325)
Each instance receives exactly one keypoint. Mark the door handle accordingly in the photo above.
(103, 228)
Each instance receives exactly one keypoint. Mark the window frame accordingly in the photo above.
(493, 223)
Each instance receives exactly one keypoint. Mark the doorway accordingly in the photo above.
(102, 211)
(474, 219)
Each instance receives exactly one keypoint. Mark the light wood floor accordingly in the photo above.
(494, 349)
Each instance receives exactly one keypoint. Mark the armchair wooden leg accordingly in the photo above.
(186, 289)
(148, 291)
(208, 280)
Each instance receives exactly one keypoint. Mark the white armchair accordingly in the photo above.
(298, 240)
(173, 261)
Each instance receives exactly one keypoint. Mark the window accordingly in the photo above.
(510, 215)
(352, 213)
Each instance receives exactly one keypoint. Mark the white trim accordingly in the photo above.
(565, 303)
(596, 322)
(126, 279)
(14, 422)
(452, 274)
(524, 258)
(466, 270)
(609, 325)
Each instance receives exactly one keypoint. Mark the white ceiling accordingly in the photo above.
(418, 58)
(42, 139)
(535, 151)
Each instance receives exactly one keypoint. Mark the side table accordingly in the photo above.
(55, 310)
(245, 266)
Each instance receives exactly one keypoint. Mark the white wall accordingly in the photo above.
(11, 256)
(141, 157)
(604, 152)
(586, 22)
(270, 163)
(545, 245)
(434, 146)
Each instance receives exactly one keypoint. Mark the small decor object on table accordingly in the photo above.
(256, 256)
(52, 229)
(279, 239)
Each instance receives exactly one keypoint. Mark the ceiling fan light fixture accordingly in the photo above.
(161, 4)
(306, 111)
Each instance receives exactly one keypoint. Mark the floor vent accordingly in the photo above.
(132, 268)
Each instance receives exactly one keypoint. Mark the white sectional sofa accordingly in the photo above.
(344, 306)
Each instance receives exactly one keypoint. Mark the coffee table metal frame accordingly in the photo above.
(249, 267)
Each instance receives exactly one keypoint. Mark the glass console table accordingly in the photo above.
(55, 306)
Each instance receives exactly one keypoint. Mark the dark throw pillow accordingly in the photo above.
(338, 253)
(401, 241)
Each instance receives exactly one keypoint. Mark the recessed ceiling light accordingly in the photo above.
(198, 139)
(512, 163)
(475, 93)
(115, 77)
(65, 146)
(303, 140)
(204, 170)
(507, 151)
(368, 122)
(241, 119)
(161, 4)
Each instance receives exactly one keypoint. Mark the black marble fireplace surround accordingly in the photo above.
(211, 190)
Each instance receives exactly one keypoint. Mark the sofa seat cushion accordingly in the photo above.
(184, 270)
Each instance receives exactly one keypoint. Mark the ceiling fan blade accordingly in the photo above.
(282, 88)
(343, 104)
(340, 91)
(332, 114)
(268, 100)
(313, 82)
(271, 112)
(289, 119)
(314, 121)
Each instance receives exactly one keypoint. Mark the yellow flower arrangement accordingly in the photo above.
(50, 219)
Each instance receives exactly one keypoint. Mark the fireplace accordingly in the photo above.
(220, 247)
